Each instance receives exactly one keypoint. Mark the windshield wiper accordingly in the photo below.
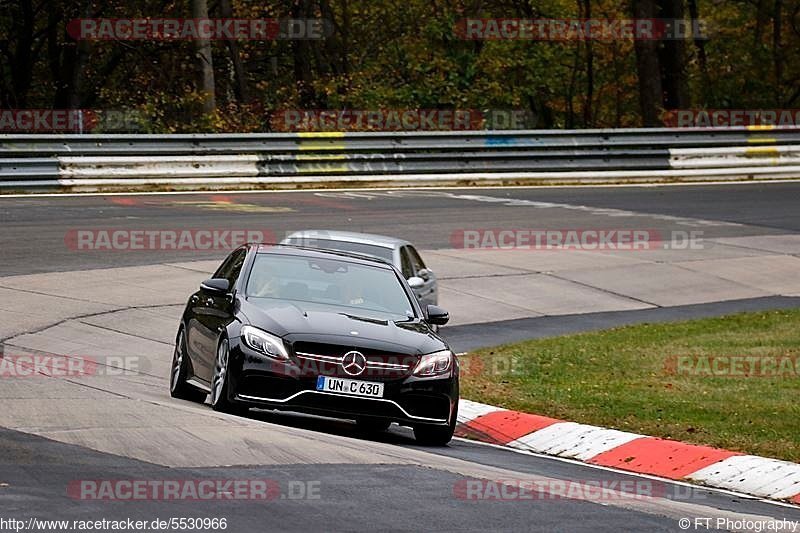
(367, 319)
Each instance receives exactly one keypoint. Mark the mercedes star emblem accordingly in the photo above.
(354, 363)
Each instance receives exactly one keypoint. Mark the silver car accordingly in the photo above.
(398, 252)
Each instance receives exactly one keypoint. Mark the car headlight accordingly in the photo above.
(264, 343)
(434, 364)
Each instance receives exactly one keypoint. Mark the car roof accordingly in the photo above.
(302, 251)
(349, 236)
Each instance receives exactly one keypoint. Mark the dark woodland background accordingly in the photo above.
(401, 54)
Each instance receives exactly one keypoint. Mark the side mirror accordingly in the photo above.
(216, 286)
(437, 316)
(416, 283)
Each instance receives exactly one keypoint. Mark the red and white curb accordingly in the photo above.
(748, 474)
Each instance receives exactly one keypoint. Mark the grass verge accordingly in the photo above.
(732, 382)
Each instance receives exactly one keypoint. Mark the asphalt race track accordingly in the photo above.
(34, 228)
(57, 430)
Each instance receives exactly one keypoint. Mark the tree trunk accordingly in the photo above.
(777, 54)
(672, 60)
(647, 68)
(240, 81)
(67, 63)
(619, 95)
(302, 56)
(346, 41)
(22, 69)
(205, 61)
(762, 15)
(702, 58)
(587, 104)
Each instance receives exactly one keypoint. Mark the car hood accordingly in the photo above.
(309, 322)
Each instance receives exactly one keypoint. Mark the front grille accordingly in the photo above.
(326, 359)
(335, 350)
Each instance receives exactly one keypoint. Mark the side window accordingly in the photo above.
(405, 263)
(416, 260)
(224, 267)
(232, 267)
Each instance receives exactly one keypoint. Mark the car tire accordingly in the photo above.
(178, 387)
(220, 382)
(369, 424)
(436, 435)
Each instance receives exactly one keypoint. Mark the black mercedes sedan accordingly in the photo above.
(323, 332)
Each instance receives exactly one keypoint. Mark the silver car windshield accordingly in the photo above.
(329, 282)
(380, 252)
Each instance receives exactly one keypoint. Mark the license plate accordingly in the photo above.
(351, 387)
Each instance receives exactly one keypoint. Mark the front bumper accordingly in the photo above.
(260, 382)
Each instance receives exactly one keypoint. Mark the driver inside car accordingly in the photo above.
(263, 283)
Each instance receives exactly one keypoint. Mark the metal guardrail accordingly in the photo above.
(100, 161)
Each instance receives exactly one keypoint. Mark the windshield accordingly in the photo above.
(331, 282)
(380, 252)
